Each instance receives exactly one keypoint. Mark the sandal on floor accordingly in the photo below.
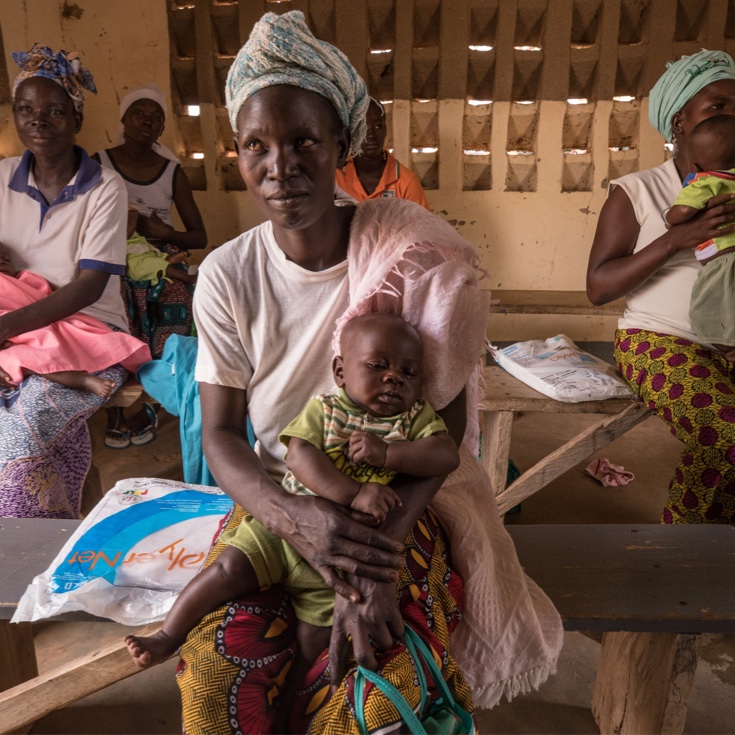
(148, 433)
(115, 439)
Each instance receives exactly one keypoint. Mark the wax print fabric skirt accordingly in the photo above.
(692, 389)
(233, 665)
(157, 312)
(45, 449)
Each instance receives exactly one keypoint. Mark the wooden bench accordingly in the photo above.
(574, 303)
(650, 590)
(505, 396)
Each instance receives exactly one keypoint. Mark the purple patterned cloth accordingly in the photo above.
(45, 450)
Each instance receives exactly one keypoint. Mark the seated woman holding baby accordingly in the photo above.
(266, 307)
(674, 344)
(62, 230)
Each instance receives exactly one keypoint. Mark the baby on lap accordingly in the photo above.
(346, 447)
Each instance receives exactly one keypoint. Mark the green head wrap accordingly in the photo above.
(282, 50)
(681, 81)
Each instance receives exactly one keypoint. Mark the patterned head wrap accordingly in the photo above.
(681, 81)
(66, 69)
(282, 50)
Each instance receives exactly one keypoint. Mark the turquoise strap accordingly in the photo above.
(394, 696)
(418, 651)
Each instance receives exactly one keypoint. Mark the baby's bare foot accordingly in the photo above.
(151, 650)
(176, 258)
(99, 386)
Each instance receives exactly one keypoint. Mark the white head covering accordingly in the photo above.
(147, 92)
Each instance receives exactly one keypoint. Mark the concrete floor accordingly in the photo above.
(148, 702)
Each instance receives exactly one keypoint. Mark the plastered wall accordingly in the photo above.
(514, 113)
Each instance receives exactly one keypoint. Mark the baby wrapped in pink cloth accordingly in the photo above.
(74, 346)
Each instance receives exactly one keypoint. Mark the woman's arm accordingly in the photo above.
(326, 537)
(83, 291)
(376, 620)
(615, 270)
(195, 235)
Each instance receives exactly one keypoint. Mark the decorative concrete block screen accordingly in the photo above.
(504, 95)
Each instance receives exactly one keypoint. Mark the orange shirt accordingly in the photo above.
(396, 181)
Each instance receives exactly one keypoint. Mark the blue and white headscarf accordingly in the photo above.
(66, 69)
(282, 50)
(681, 81)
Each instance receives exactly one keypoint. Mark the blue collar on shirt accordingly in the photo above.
(88, 174)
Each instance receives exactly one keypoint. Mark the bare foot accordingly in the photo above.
(176, 258)
(99, 386)
(151, 650)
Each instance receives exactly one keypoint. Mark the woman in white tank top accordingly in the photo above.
(155, 182)
(691, 386)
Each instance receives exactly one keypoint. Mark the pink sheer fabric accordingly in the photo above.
(406, 261)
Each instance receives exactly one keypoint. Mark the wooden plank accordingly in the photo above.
(636, 578)
(503, 392)
(65, 684)
(552, 302)
(643, 682)
(495, 450)
(571, 453)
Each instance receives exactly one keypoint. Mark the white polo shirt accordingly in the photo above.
(84, 228)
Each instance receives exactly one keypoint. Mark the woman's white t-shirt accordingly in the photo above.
(265, 325)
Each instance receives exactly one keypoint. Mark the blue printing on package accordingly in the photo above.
(115, 535)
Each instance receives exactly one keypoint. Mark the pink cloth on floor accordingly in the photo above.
(608, 474)
(79, 342)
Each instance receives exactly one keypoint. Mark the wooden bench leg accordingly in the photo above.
(17, 654)
(643, 682)
(31, 700)
(495, 450)
(17, 658)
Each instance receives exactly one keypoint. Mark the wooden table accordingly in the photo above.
(505, 396)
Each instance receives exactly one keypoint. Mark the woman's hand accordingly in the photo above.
(716, 219)
(372, 624)
(331, 539)
(153, 227)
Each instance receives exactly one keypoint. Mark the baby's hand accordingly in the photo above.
(375, 500)
(365, 447)
(5, 379)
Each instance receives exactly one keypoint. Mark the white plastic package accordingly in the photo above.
(557, 368)
(132, 555)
